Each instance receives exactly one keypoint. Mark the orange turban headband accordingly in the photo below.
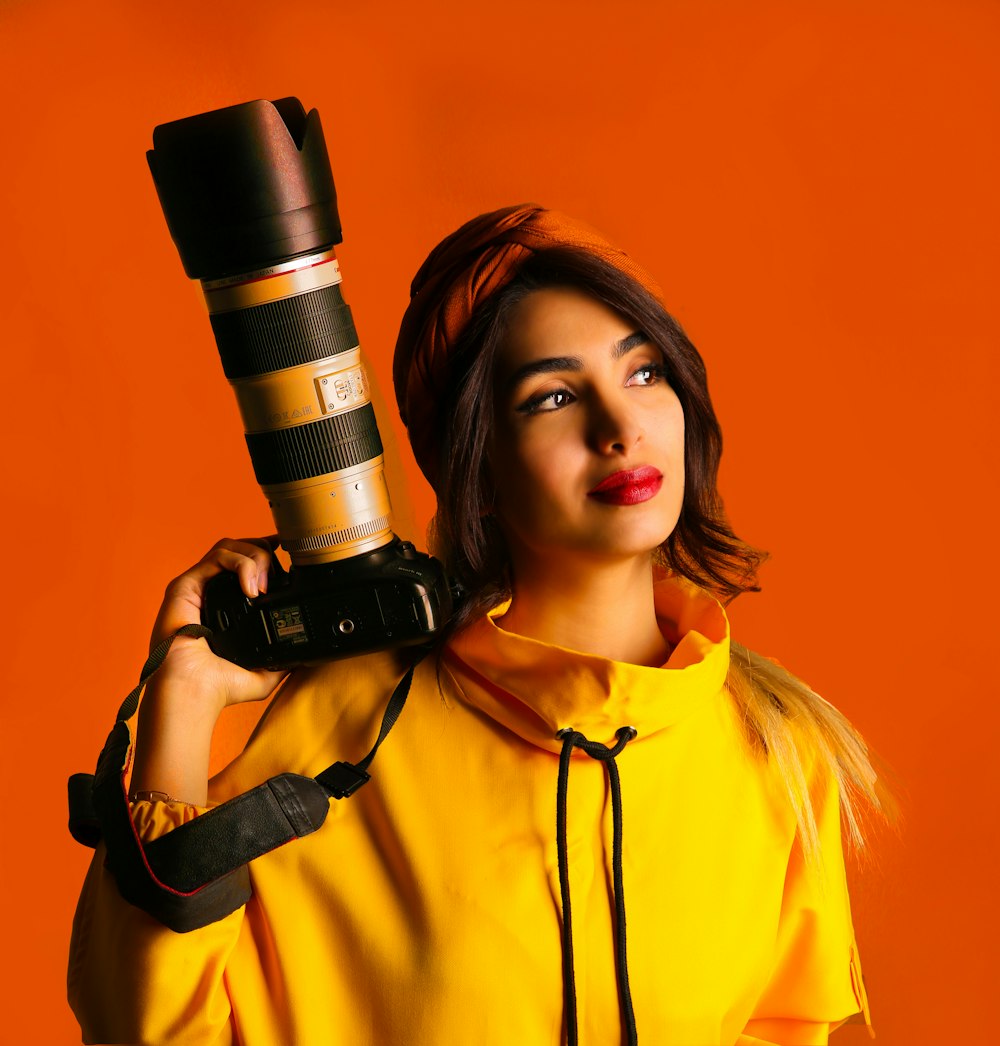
(464, 270)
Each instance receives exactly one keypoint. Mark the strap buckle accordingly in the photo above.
(343, 779)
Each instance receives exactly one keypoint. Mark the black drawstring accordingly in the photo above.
(573, 739)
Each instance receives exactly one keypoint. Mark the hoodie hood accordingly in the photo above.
(536, 690)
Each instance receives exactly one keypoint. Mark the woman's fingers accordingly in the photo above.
(250, 558)
(183, 599)
(191, 666)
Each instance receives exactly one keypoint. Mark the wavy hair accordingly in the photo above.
(702, 547)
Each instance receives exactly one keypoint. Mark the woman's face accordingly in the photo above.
(587, 456)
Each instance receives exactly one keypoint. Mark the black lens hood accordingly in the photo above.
(245, 187)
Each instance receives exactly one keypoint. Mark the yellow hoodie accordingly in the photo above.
(427, 909)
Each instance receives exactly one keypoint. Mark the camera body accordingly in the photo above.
(394, 596)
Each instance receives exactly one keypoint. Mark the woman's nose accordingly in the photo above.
(614, 428)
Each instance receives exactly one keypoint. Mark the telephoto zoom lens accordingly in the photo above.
(249, 198)
(290, 351)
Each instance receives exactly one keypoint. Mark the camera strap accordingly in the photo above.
(197, 873)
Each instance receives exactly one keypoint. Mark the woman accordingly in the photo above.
(597, 816)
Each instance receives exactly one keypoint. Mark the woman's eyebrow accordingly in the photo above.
(628, 343)
(548, 365)
(553, 364)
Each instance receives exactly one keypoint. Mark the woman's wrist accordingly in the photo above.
(185, 691)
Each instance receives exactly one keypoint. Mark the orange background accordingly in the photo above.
(815, 187)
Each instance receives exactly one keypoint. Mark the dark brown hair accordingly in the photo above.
(702, 547)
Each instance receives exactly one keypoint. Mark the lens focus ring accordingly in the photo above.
(284, 333)
(338, 442)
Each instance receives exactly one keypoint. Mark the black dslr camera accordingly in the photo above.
(249, 198)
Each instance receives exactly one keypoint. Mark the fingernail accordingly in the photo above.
(252, 585)
(262, 582)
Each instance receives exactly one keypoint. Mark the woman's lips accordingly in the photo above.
(629, 487)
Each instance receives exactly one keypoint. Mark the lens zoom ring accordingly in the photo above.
(358, 532)
(338, 442)
(284, 333)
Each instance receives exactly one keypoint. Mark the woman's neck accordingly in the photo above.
(607, 611)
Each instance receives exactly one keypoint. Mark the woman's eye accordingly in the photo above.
(546, 401)
(648, 374)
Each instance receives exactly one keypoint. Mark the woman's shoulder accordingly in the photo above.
(812, 746)
(353, 678)
(320, 713)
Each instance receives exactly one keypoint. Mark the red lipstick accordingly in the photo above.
(628, 487)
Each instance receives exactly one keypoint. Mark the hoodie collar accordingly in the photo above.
(535, 689)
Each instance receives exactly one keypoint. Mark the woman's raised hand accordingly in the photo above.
(250, 560)
(184, 698)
